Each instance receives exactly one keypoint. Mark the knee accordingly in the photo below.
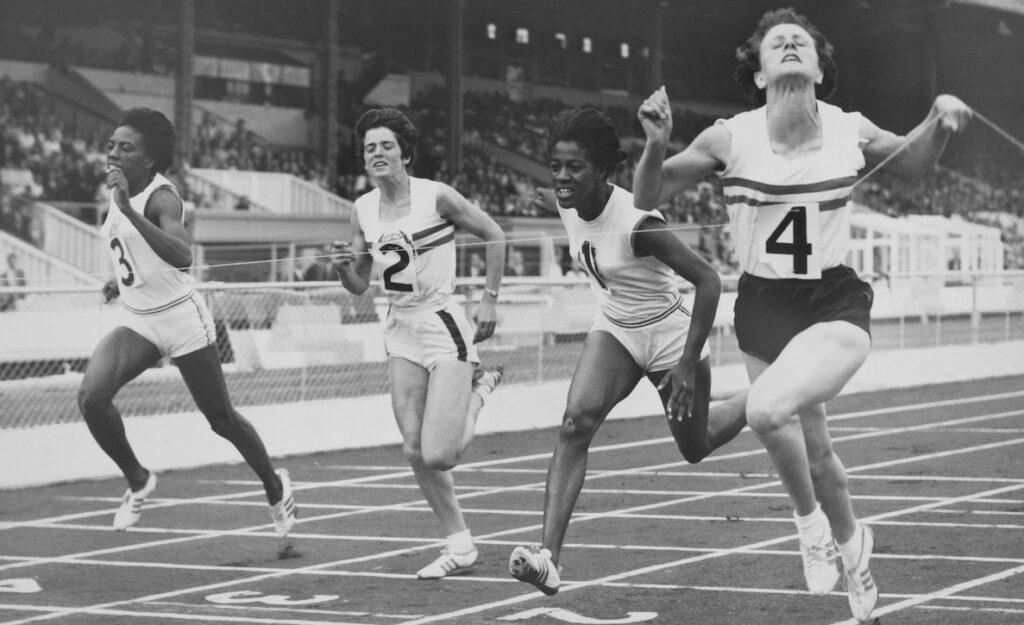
(766, 415)
(433, 456)
(693, 452)
(579, 425)
(92, 402)
(223, 423)
(413, 454)
(441, 461)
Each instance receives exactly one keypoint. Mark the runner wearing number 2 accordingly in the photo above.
(161, 315)
(802, 317)
(404, 231)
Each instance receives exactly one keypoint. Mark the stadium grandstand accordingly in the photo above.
(264, 96)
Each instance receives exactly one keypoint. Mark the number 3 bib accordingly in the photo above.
(788, 238)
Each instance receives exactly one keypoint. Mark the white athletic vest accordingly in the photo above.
(413, 256)
(147, 282)
(631, 291)
(790, 218)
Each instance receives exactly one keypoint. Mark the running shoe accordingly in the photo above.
(131, 504)
(860, 586)
(534, 566)
(449, 563)
(821, 563)
(486, 378)
(284, 511)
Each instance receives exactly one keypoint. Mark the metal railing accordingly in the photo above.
(293, 342)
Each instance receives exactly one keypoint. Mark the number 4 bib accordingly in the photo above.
(788, 239)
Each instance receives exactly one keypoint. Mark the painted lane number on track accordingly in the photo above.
(23, 585)
(255, 596)
(571, 617)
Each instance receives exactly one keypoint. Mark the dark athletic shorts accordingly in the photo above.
(769, 313)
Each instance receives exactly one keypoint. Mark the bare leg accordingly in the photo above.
(430, 409)
(204, 377)
(707, 428)
(812, 369)
(121, 356)
(604, 376)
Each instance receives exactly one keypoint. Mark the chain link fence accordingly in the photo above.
(282, 343)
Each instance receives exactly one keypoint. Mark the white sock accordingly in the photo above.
(812, 525)
(851, 548)
(461, 542)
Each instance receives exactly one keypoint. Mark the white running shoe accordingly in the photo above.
(821, 563)
(131, 505)
(284, 511)
(449, 563)
(860, 586)
(534, 566)
(485, 379)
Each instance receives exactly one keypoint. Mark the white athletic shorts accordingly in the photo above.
(656, 346)
(177, 329)
(427, 337)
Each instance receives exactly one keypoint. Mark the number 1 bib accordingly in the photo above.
(788, 238)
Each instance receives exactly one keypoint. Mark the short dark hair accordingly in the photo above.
(157, 135)
(748, 55)
(396, 121)
(594, 131)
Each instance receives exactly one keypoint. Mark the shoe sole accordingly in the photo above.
(462, 570)
(520, 569)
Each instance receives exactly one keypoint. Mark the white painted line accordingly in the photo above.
(57, 612)
(676, 563)
(581, 517)
(949, 591)
(964, 609)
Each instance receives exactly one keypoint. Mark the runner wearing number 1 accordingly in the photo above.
(801, 317)
(404, 231)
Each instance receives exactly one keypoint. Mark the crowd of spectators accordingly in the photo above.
(65, 163)
(216, 147)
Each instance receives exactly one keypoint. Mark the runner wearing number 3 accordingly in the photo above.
(404, 231)
(161, 315)
(802, 317)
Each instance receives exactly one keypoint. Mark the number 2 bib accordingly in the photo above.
(788, 238)
(397, 258)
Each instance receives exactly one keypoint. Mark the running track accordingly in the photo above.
(937, 471)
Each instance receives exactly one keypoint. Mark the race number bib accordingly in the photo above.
(128, 275)
(587, 258)
(788, 238)
(397, 257)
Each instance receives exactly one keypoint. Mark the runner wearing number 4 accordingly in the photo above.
(161, 314)
(802, 318)
(404, 231)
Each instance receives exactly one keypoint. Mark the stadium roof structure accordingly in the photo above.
(1009, 6)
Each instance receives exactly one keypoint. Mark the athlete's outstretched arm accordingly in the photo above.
(464, 214)
(352, 260)
(654, 238)
(657, 180)
(921, 148)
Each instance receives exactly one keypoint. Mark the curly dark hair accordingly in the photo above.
(749, 61)
(593, 131)
(158, 137)
(405, 132)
